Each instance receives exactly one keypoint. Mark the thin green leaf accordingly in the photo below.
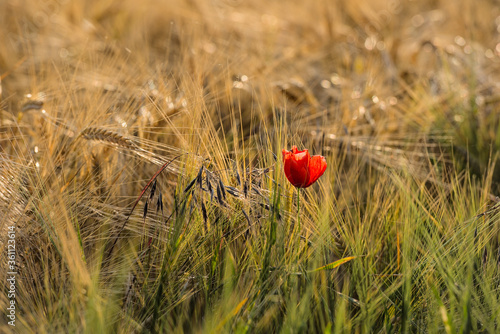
(335, 264)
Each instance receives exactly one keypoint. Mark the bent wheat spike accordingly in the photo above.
(104, 135)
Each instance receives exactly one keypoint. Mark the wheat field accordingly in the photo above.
(141, 175)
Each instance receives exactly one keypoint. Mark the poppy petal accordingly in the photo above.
(296, 171)
(317, 167)
(300, 167)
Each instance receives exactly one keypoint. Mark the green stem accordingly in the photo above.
(298, 208)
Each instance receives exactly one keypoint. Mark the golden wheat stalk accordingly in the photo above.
(104, 135)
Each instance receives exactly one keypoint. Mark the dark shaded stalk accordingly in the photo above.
(137, 201)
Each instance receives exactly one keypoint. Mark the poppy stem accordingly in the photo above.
(298, 208)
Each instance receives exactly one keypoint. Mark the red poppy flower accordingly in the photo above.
(301, 169)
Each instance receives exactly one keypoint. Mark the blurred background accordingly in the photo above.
(345, 69)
